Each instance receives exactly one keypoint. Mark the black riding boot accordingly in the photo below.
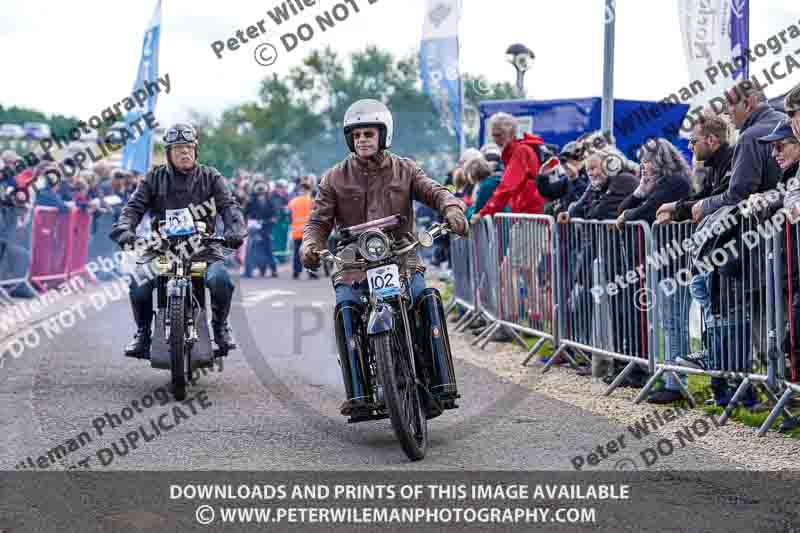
(356, 383)
(220, 328)
(140, 345)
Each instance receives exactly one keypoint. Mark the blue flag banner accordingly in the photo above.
(740, 34)
(136, 155)
(439, 64)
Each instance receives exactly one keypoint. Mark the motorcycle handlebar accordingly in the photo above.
(436, 231)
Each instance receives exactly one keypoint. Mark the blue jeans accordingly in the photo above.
(352, 292)
(675, 318)
(297, 265)
(727, 337)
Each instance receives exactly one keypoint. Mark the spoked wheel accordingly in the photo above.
(177, 346)
(401, 395)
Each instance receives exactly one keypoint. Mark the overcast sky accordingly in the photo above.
(79, 57)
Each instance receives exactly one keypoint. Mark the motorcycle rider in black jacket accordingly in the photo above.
(180, 184)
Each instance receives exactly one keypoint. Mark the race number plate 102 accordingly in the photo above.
(384, 281)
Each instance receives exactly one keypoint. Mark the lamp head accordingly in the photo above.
(520, 56)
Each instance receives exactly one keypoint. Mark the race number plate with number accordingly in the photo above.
(179, 222)
(384, 281)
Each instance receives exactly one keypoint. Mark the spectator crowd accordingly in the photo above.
(744, 161)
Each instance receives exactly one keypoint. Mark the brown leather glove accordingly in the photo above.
(309, 255)
(458, 222)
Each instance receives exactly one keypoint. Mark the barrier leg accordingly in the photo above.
(487, 331)
(5, 298)
(649, 385)
(729, 408)
(622, 375)
(780, 405)
(469, 322)
(684, 389)
(517, 336)
(463, 319)
(533, 351)
(449, 307)
(561, 351)
(582, 354)
(489, 337)
(775, 400)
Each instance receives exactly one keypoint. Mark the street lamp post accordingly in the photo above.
(522, 58)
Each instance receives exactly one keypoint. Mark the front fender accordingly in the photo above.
(381, 320)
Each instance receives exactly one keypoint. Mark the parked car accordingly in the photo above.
(11, 131)
(37, 130)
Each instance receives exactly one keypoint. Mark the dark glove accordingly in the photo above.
(233, 241)
(126, 239)
(309, 255)
(457, 221)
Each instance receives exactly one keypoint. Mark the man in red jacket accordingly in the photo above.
(518, 185)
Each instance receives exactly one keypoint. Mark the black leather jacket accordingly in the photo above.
(203, 188)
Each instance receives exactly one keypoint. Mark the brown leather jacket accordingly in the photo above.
(357, 191)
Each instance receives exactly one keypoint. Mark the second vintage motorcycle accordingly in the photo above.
(399, 346)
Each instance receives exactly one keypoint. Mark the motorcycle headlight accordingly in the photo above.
(374, 245)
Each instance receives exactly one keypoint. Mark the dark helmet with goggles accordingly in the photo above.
(180, 134)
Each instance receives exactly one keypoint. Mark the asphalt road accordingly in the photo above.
(275, 407)
(275, 404)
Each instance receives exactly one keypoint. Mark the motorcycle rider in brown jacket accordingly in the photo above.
(372, 183)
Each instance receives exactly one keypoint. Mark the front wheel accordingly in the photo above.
(401, 394)
(177, 345)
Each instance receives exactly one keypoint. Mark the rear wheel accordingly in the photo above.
(177, 346)
(401, 395)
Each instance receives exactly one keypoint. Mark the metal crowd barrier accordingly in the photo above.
(734, 286)
(526, 277)
(669, 267)
(604, 289)
(785, 337)
(461, 265)
(16, 231)
(59, 246)
(481, 255)
(635, 295)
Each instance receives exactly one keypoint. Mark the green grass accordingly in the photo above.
(447, 292)
(698, 385)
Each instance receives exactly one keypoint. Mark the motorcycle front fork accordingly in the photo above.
(192, 289)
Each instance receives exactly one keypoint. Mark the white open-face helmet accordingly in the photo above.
(365, 114)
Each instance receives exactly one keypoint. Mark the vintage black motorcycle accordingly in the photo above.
(397, 349)
(181, 341)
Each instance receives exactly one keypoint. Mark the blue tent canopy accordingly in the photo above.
(561, 121)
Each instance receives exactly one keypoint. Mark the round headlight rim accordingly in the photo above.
(372, 234)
